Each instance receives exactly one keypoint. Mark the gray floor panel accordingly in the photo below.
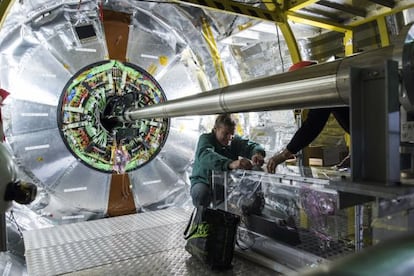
(149, 243)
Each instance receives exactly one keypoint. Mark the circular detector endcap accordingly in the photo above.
(87, 113)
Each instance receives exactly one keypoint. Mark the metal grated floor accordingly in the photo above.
(329, 250)
(149, 243)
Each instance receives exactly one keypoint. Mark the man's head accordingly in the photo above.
(224, 128)
(301, 64)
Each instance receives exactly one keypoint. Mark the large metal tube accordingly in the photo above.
(321, 85)
(283, 91)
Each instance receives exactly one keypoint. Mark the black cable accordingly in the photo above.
(13, 219)
(230, 28)
(280, 51)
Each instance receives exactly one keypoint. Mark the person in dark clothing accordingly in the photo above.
(310, 129)
(220, 150)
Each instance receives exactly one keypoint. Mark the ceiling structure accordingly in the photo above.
(338, 16)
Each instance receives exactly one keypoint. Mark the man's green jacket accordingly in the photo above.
(212, 156)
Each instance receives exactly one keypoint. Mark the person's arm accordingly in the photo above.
(249, 149)
(310, 129)
(341, 115)
(277, 159)
(208, 158)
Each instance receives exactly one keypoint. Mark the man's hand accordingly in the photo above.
(258, 160)
(277, 159)
(244, 164)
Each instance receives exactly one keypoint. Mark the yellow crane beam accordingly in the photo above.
(211, 42)
(4, 9)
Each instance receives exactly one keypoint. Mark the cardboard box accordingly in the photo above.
(323, 156)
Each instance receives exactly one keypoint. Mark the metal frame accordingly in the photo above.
(375, 117)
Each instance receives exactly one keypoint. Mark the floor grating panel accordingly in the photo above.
(148, 243)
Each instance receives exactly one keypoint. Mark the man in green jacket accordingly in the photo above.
(220, 150)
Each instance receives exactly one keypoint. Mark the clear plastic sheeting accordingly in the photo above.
(318, 206)
(302, 214)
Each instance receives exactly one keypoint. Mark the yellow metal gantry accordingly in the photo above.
(4, 9)
(280, 11)
(211, 42)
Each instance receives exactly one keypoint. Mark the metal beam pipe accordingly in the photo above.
(321, 85)
(276, 92)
